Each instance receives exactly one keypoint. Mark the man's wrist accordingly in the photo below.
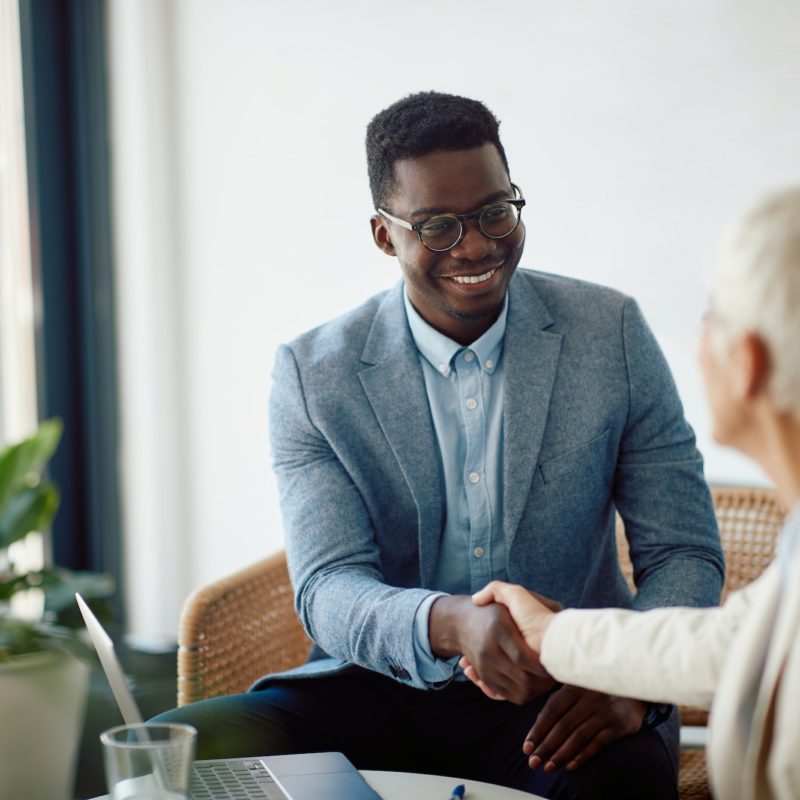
(443, 624)
(435, 672)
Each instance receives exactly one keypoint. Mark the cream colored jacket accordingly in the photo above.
(696, 656)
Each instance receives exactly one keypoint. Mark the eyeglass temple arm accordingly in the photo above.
(384, 213)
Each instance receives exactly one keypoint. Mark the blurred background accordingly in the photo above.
(183, 187)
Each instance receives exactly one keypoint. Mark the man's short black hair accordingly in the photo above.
(423, 123)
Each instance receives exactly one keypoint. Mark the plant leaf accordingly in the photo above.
(20, 462)
(11, 583)
(28, 502)
(32, 509)
(60, 586)
(19, 637)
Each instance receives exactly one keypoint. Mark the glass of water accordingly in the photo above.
(149, 761)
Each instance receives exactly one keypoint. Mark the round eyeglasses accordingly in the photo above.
(443, 232)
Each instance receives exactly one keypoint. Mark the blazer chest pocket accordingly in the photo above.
(590, 456)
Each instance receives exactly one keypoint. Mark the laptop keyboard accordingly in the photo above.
(233, 779)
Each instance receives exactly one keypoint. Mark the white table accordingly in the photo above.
(413, 786)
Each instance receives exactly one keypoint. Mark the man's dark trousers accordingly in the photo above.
(383, 725)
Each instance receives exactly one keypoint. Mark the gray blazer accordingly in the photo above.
(591, 424)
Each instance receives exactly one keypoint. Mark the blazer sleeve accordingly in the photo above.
(659, 487)
(666, 655)
(340, 594)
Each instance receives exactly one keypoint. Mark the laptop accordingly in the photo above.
(305, 776)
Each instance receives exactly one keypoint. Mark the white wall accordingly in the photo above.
(637, 130)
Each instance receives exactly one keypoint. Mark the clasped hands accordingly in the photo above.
(498, 633)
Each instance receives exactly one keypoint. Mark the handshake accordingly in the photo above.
(530, 612)
(498, 634)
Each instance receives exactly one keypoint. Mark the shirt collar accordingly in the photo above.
(440, 350)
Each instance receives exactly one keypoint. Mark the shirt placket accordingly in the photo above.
(473, 413)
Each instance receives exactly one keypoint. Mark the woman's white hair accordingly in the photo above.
(756, 289)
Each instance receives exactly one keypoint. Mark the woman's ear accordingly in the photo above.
(381, 235)
(754, 366)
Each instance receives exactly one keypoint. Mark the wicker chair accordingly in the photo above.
(244, 626)
(239, 628)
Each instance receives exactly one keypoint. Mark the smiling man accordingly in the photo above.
(475, 422)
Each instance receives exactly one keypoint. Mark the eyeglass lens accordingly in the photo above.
(495, 221)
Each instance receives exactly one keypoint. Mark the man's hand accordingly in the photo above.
(576, 724)
(488, 638)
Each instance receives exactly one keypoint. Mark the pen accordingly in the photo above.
(457, 793)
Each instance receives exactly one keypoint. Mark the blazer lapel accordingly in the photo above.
(531, 358)
(395, 388)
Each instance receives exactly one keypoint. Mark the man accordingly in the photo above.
(475, 422)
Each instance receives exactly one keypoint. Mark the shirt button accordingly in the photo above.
(469, 355)
(489, 363)
(473, 477)
(442, 368)
(478, 552)
(471, 404)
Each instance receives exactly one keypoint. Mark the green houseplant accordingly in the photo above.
(43, 677)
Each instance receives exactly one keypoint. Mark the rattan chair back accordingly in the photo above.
(237, 629)
(749, 522)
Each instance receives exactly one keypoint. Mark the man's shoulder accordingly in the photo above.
(560, 288)
(345, 334)
(570, 305)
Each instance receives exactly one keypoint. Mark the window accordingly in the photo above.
(17, 314)
(17, 370)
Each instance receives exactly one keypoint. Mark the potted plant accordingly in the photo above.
(43, 666)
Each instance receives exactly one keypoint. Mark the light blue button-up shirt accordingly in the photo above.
(465, 393)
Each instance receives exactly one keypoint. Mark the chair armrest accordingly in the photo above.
(237, 629)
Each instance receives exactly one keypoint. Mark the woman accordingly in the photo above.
(745, 656)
